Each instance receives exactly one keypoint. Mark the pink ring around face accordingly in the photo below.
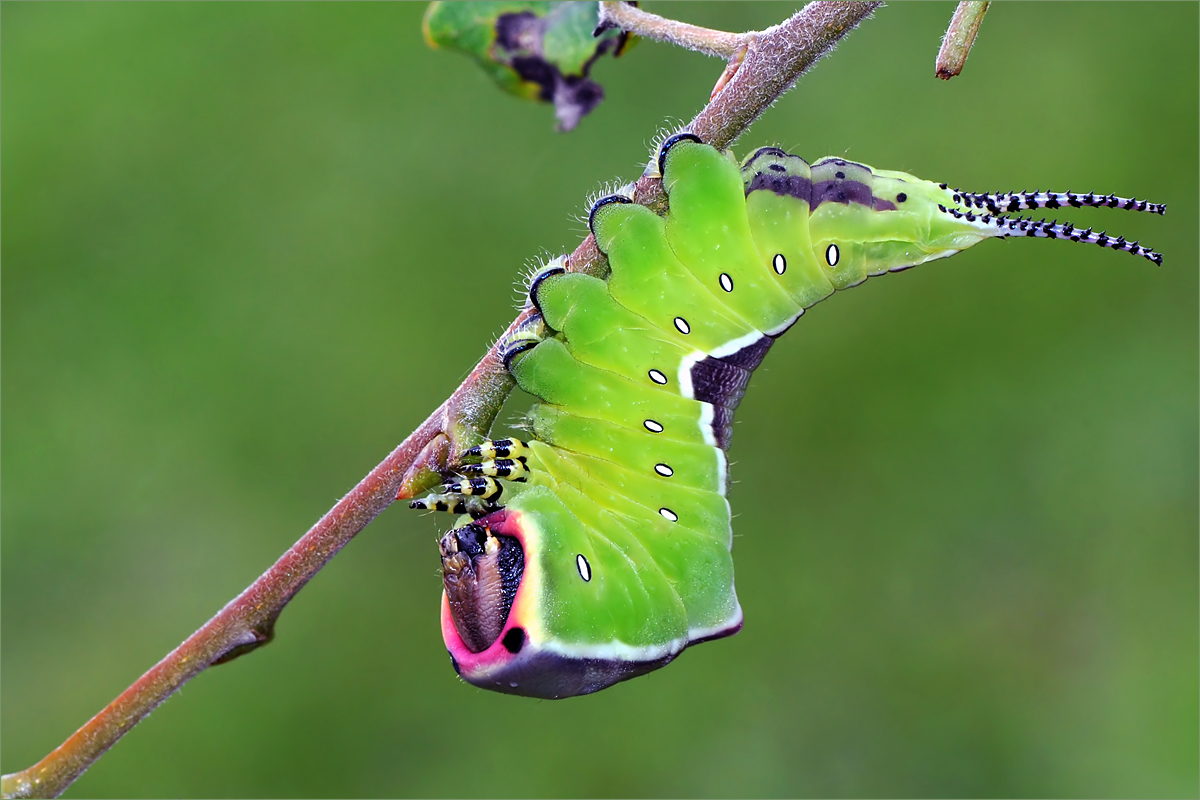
(533, 670)
(489, 667)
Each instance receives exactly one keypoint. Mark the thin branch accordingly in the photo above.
(651, 26)
(774, 60)
(956, 44)
(248, 621)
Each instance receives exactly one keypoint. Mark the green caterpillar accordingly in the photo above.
(600, 549)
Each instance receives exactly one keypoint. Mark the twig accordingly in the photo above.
(956, 44)
(773, 62)
(651, 26)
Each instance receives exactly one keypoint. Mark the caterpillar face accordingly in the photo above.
(611, 553)
(517, 649)
(481, 573)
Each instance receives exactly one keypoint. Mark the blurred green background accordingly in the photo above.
(238, 267)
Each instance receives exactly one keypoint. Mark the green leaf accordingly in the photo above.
(536, 50)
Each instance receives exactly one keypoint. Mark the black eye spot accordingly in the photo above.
(840, 175)
(514, 640)
(900, 198)
(776, 168)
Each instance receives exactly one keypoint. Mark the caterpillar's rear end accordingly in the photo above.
(600, 548)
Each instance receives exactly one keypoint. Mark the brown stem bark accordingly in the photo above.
(960, 36)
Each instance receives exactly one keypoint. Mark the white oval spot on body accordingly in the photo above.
(682, 325)
(726, 282)
(653, 426)
(669, 514)
(585, 569)
(780, 264)
(657, 377)
(832, 254)
(664, 470)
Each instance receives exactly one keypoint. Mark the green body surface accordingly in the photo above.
(622, 513)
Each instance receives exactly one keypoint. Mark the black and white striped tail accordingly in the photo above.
(1008, 202)
(1003, 226)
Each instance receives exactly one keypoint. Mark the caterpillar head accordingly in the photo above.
(502, 598)
(481, 573)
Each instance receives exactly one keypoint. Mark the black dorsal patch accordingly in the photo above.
(836, 180)
(833, 180)
(723, 381)
(776, 171)
(796, 186)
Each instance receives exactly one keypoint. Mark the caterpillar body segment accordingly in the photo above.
(617, 502)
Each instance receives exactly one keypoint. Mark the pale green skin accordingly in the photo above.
(657, 585)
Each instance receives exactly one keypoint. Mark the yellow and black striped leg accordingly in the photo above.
(512, 469)
(501, 458)
(499, 448)
(483, 488)
(456, 503)
(478, 492)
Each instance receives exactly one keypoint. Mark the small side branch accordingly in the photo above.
(651, 26)
(956, 44)
(773, 60)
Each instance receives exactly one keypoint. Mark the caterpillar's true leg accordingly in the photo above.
(483, 488)
(455, 503)
(512, 469)
(499, 448)
(478, 491)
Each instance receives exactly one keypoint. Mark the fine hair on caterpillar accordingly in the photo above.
(617, 499)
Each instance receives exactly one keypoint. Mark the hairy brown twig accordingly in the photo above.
(960, 36)
(773, 60)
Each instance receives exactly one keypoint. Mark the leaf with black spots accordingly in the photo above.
(536, 50)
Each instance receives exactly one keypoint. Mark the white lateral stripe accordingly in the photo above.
(778, 329)
(616, 650)
(734, 620)
(685, 373)
(740, 343)
(706, 425)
